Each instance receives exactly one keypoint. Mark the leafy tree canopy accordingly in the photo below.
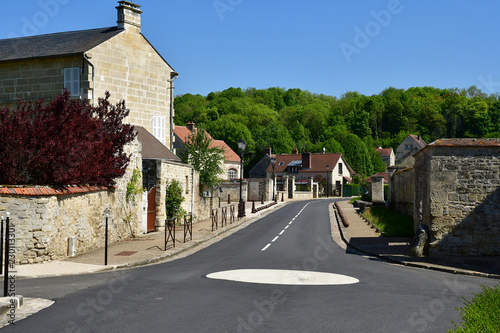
(64, 142)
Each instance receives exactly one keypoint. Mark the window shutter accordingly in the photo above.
(159, 128)
(72, 80)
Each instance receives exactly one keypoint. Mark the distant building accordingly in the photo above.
(231, 165)
(387, 156)
(331, 167)
(410, 146)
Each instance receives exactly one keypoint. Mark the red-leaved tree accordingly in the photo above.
(64, 142)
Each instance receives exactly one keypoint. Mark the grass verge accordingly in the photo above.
(392, 223)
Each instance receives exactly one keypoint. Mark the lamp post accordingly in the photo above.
(241, 205)
(273, 163)
(327, 181)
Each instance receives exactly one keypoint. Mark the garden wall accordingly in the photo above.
(44, 217)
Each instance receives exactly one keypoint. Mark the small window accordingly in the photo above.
(232, 174)
(340, 168)
(187, 184)
(159, 128)
(281, 163)
(72, 80)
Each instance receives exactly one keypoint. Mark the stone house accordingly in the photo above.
(118, 59)
(300, 168)
(410, 145)
(231, 166)
(387, 156)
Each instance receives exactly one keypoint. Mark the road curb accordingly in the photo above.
(445, 269)
(165, 256)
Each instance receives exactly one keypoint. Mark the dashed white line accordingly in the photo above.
(281, 233)
(275, 238)
(265, 247)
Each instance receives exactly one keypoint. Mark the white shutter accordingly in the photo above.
(72, 80)
(159, 128)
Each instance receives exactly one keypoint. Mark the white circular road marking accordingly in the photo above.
(283, 277)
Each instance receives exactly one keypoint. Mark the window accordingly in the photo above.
(72, 80)
(232, 174)
(187, 184)
(159, 128)
(340, 168)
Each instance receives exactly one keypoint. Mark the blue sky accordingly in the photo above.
(323, 46)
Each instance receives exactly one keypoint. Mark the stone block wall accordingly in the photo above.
(458, 197)
(402, 191)
(44, 218)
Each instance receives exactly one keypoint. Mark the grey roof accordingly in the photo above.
(295, 163)
(152, 148)
(58, 44)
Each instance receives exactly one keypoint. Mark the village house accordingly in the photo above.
(87, 63)
(387, 156)
(299, 169)
(409, 147)
(231, 166)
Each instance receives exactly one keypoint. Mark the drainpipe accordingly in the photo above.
(173, 76)
(93, 76)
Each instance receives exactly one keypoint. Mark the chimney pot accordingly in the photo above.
(190, 126)
(267, 151)
(295, 151)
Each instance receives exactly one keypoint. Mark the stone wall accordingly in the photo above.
(44, 218)
(402, 191)
(457, 195)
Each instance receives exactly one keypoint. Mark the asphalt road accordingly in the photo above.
(177, 296)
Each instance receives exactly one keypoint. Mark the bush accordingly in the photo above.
(482, 314)
(174, 200)
(64, 142)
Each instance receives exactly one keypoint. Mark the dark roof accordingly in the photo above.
(152, 148)
(58, 44)
(418, 139)
(318, 162)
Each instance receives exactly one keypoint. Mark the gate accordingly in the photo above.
(151, 209)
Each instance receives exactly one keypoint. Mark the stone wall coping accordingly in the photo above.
(47, 190)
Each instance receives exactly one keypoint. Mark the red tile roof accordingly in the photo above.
(384, 152)
(383, 174)
(466, 143)
(46, 190)
(229, 155)
(318, 162)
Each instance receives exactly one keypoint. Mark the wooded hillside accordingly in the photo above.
(285, 119)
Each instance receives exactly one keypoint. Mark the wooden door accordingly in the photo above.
(151, 209)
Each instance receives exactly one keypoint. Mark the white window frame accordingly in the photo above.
(72, 80)
(158, 124)
(230, 173)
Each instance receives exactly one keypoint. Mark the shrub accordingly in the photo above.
(174, 200)
(482, 314)
(64, 142)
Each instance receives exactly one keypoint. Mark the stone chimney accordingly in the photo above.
(129, 16)
(295, 151)
(267, 151)
(306, 160)
(190, 126)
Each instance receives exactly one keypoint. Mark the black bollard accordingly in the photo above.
(106, 243)
(6, 261)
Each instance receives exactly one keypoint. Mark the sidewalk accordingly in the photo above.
(147, 249)
(361, 237)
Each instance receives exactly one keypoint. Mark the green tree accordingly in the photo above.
(357, 155)
(204, 157)
(174, 200)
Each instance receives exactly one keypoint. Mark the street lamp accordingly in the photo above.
(327, 180)
(273, 163)
(241, 205)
